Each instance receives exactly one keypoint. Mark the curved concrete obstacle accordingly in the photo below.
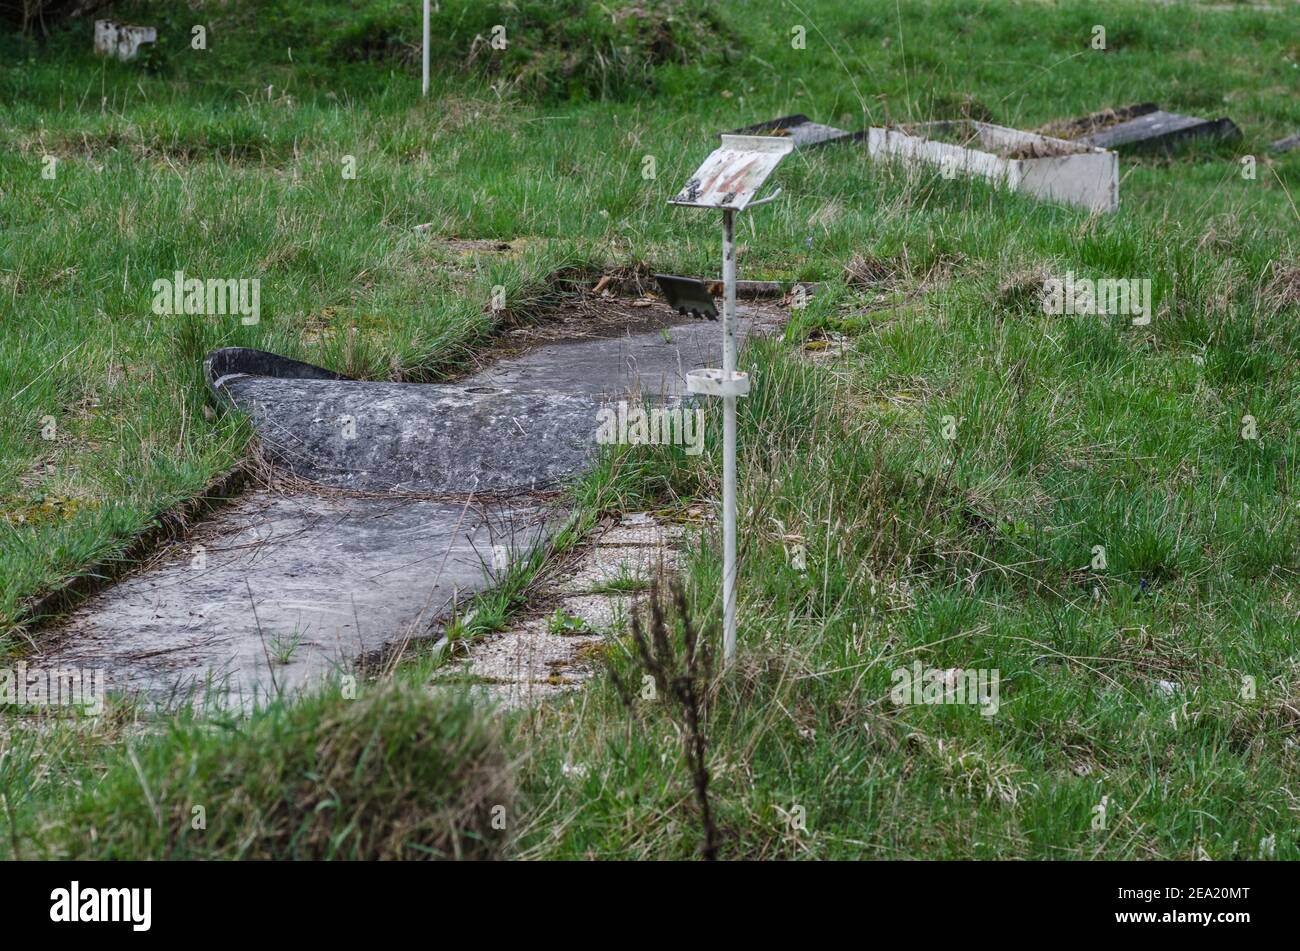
(432, 439)
(525, 422)
(428, 493)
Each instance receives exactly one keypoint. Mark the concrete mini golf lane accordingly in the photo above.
(275, 590)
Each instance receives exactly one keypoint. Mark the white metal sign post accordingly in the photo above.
(424, 88)
(729, 180)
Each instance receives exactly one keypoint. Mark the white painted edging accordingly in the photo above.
(1087, 176)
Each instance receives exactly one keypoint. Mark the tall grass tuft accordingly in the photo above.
(396, 774)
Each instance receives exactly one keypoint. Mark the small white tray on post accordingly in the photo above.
(717, 383)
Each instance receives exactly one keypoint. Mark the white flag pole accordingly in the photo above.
(729, 181)
(424, 89)
(728, 438)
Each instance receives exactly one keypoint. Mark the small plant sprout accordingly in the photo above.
(625, 582)
(564, 624)
(283, 647)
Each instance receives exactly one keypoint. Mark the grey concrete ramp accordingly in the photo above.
(427, 439)
(525, 422)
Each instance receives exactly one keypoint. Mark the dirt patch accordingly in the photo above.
(867, 272)
(1023, 290)
(580, 304)
(1038, 150)
(587, 315)
(1090, 124)
(473, 245)
(230, 143)
(1283, 288)
(967, 135)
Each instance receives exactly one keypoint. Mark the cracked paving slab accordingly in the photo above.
(538, 658)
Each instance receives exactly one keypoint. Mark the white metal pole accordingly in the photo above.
(424, 89)
(728, 438)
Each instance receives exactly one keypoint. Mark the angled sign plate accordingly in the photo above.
(732, 175)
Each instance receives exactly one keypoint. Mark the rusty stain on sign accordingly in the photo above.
(732, 175)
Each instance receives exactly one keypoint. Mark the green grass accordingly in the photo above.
(971, 552)
(306, 780)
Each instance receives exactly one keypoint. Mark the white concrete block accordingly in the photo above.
(1052, 169)
(124, 42)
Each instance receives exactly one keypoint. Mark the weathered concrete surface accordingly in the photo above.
(1052, 169)
(612, 566)
(430, 439)
(276, 590)
(654, 364)
(525, 422)
(1161, 131)
(273, 591)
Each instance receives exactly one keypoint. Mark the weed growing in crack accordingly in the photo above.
(625, 582)
(564, 624)
(683, 678)
(284, 647)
